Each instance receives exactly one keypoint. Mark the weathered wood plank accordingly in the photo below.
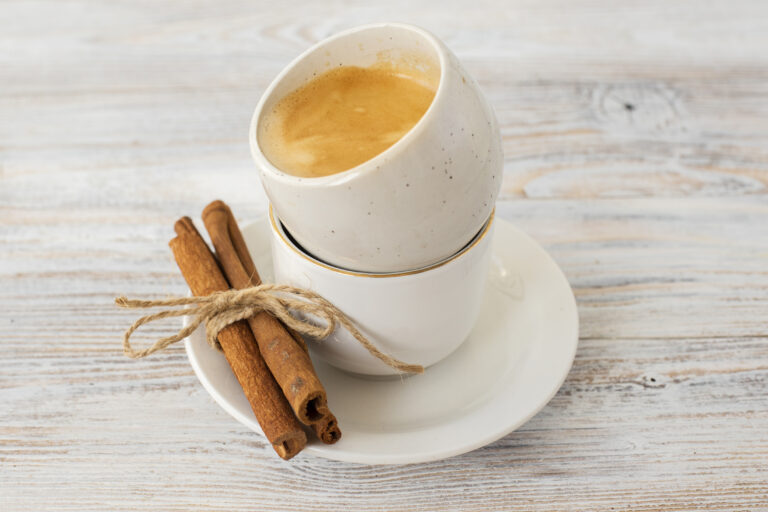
(644, 267)
(603, 108)
(661, 423)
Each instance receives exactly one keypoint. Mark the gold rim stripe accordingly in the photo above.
(319, 263)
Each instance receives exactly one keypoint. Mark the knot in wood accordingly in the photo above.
(633, 108)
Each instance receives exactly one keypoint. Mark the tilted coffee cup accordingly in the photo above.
(417, 202)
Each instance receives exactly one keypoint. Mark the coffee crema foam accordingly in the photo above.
(343, 118)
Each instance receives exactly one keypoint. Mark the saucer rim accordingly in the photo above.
(336, 452)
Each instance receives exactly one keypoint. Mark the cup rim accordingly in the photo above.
(366, 166)
(277, 227)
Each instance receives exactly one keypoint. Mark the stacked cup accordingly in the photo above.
(400, 242)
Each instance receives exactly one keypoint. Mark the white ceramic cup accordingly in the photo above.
(414, 204)
(418, 317)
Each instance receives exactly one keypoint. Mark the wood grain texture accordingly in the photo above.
(636, 151)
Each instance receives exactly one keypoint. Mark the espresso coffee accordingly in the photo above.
(343, 117)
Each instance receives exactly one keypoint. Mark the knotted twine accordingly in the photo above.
(293, 306)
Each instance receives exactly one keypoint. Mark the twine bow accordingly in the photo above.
(221, 309)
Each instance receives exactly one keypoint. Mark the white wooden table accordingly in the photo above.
(636, 143)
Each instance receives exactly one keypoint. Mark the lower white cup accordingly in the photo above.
(418, 317)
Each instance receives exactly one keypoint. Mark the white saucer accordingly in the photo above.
(512, 364)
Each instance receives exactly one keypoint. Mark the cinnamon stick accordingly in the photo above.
(283, 351)
(327, 430)
(203, 275)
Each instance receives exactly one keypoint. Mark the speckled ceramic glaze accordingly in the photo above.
(419, 201)
(419, 317)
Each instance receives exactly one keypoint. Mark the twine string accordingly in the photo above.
(294, 306)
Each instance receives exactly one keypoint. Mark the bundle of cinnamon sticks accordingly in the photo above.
(270, 361)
